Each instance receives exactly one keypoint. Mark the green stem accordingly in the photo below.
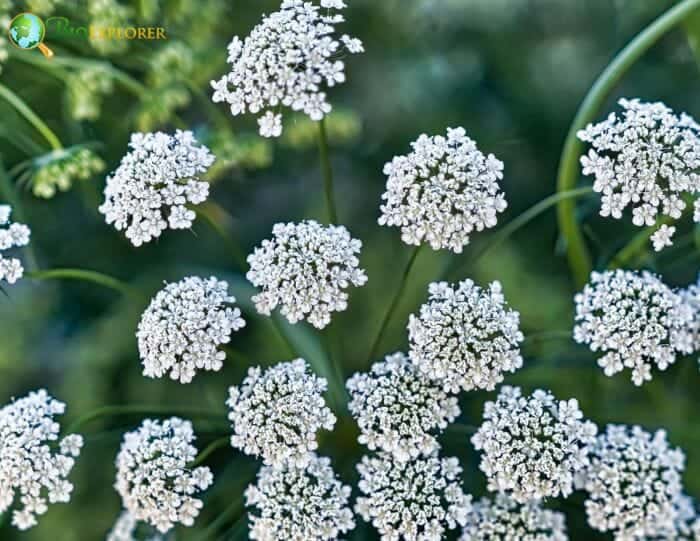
(84, 275)
(210, 449)
(221, 222)
(9, 194)
(31, 117)
(277, 326)
(636, 246)
(394, 303)
(517, 223)
(327, 172)
(577, 252)
(134, 409)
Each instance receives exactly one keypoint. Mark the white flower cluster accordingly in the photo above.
(286, 61)
(687, 339)
(183, 326)
(124, 529)
(12, 235)
(31, 464)
(465, 337)
(397, 408)
(153, 184)
(413, 500)
(648, 158)
(442, 191)
(299, 504)
(633, 484)
(504, 518)
(153, 478)
(276, 413)
(633, 318)
(534, 446)
(305, 270)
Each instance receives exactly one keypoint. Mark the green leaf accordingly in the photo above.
(691, 26)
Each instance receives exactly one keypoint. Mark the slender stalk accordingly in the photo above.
(394, 302)
(636, 246)
(577, 252)
(30, 116)
(9, 194)
(135, 409)
(84, 275)
(220, 221)
(210, 450)
(517, 223)
(327, 172)
(234, 509)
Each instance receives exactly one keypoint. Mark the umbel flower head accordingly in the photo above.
(397, 408)
(633, 483)
(153, 183)
(687, 339)
(307, 503)
(277, 412)
(646, 158)
(125, 529)
(32, 466)
(153, 478)
(183, 326)
(287, 60)
(305, 269)
(442, 191)
(633, 318)
(504, 518)
(12, 235)
(465, 337)
(412, 500)
(533, 446)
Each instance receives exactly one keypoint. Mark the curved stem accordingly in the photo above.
(30, 116)
(577, 252)
(210, 449)
(394, 303)
(134, 409)
(84, 275)
(327, 172)
(520, 221)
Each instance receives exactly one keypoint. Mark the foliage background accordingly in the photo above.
(512, 72)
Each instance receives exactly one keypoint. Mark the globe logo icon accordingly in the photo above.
(27, 31)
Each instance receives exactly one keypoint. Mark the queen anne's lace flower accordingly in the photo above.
(13, 236)
(397, 408)
(533, 446)
(504, 518)
(648, 158)
(305, 269)
(442, 191)
(465, 337)
(633, 484)
(124, 529)
(413, 500)
(153, 183)
(687, 338)
(286, 61)
(299, 504)
(183, 326)
(153, 478)
(633, 318)
(31, 463)
(276, 413)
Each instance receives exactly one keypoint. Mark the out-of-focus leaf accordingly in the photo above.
(692, 31)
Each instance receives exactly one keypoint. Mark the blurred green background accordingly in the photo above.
(512, 72)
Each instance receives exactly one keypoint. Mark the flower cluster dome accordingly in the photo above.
(12, 235)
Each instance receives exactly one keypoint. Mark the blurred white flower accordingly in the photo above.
(504, 518)
(397, 408)
(153, 477)
(153, 184)
(277, 412)
(633, 318)
(465, 337)
(687, 338)
(662, 237)
(633, 484)
(442, 191)
(286, 60)
(12, 235)
(646, 158)
(416, 499)
(183, 326)
(533, 446)
(34, 464)
(305, 269)
(299, 503)
(124, 529)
